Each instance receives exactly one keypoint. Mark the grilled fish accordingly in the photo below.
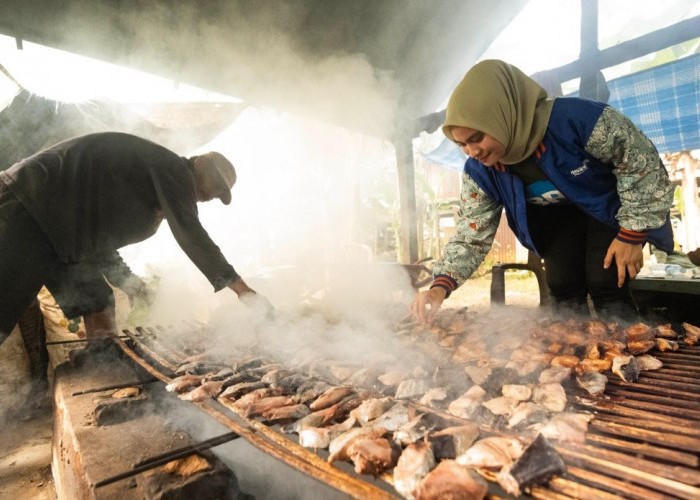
(449, 480)
(412, 466)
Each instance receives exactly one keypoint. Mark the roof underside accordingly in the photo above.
(361, 64)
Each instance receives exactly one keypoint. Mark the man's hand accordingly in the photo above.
(252, 299)
(433, 298)
(628, 258)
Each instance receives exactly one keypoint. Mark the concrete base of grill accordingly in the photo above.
(85, 452)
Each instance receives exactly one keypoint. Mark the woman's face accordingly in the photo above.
(480, 146)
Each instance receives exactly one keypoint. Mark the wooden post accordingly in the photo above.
(589, 49)
(408, 235)
(691, 219)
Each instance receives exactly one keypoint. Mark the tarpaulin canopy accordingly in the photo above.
(664, 102)
(32, 122)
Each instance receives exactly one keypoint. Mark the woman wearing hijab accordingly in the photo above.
(581, 186)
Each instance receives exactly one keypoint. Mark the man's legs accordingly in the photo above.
(31, 326)
(26, 259)
(81, 290)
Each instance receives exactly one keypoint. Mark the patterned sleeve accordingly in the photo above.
(643, 185)
(477, 221)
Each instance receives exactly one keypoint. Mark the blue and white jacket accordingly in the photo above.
(596, 157)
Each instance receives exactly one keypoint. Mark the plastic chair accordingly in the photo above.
(534, 264)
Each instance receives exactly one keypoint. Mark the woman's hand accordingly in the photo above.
(433, 298)
(628, 258)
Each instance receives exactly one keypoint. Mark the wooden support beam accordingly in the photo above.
(407, 200)
(637, 47)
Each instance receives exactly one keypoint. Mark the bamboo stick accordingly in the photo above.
(664, 438)
(659, 474)
(643, 396)
(652, 424)
(167, 364)
(606, 481)
(646, 449)
(618, 409)
(623, 469)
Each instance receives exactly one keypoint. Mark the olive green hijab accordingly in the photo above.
(498, 99)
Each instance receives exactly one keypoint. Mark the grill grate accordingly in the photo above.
(644, 441)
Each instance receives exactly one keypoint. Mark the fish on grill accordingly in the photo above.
(692, 333)
(537, 465)
(183, 383)
(291, 383)
(517, 392)
(237, 390)
(411, 388)
(433, 397)
(491, 452)
(275, 375)
(339, 446)
(321, 437)
(266, 404)
(451, 442)
(450, 480)
(552, 396)
(219, 375)
(567, 427)
(392, 419)
(466, 405)
(256, 395)
(330, 397)
(372, 408)
(554, 374)
(593, 382)
(500, 406)
(311, 389)
(415, 462)
(527, 413)
(478, 374)
(664, 344)
(205, 391)
(286, 413)
(373, 455)
(417, 428)
(593, 365)
(649, 362)
(626, 367)
(665, 331)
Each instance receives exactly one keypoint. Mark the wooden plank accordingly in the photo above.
(643, 396)
(646, 449)
(608, 482)
(662, 385)
(686, 443)
(651, 376)
(651, 424)
(677, 371)
(653, 389)
(617, 409)
(665, 409)
(580, 491)
(628, 468)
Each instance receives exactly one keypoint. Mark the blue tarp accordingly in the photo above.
(448, 155)
(663, 101)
